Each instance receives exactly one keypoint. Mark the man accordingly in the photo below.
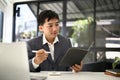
(49, 41)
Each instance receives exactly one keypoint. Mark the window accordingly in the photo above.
(26, 23)
(1, 25)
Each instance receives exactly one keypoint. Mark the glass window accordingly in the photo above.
(26, 23)
(107, 27)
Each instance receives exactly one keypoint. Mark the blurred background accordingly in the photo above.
(86, 23)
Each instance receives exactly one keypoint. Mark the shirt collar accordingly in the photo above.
(45, 40)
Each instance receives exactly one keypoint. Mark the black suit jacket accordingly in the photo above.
(59, 50)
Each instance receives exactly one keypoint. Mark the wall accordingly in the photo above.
(7, 29)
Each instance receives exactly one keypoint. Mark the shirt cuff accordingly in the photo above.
(34, 65)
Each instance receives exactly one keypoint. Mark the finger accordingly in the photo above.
(75, 69)
(41, 53)
(76, 65)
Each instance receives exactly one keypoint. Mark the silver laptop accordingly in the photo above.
(14, 61)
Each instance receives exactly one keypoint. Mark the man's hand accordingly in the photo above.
(40, 56)
(77, 67)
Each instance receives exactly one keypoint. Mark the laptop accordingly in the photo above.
(14, 62)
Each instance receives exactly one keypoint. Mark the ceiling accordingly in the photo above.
(81, 9)
(108, 10)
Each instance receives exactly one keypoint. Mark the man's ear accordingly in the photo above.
(40, 28)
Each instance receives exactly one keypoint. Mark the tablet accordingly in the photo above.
(73, 56)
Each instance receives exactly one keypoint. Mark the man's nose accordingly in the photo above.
(55, 28)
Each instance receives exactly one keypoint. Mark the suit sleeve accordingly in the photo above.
(30, 58)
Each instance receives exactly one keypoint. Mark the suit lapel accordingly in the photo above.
(56, 51)
(45, 46)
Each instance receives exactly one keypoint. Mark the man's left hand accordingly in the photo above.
(77, 68)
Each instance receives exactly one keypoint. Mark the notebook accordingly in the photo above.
(113, 72)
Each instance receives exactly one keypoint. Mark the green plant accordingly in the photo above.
(81, 31)
(115, 63)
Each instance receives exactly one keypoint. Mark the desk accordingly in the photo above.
(76, 76)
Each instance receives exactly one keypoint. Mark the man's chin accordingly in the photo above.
(53, 36)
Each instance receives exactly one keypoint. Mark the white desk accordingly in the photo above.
(76, 76)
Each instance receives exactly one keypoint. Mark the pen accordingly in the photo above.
(34, 51)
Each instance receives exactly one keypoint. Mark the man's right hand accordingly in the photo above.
(40, 56)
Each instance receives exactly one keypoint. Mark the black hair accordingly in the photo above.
(46, 14)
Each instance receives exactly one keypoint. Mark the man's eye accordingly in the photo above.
(50, 25)
(57, 25)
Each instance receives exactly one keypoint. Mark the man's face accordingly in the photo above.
(50, 28)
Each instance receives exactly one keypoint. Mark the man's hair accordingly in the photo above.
(46, 14)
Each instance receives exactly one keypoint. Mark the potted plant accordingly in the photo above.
(115, 63)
